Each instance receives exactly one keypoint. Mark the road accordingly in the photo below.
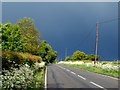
(61, 76)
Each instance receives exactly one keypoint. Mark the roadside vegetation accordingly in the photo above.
(106, 68)
(86, 61)
(24, 55)
(79, 55)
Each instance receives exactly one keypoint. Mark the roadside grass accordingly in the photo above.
(113, 73)
(39, 78)
(113, 62)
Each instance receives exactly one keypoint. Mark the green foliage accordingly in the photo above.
(67, 58)
(109, 72)
(25, 77)
(78, 55)
(38, 81)
(30, 36)
(11, 37)
(24, 37)
(47, 53)
(11, 59)
(56, 61)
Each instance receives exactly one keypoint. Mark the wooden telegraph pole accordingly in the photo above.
(96, 42)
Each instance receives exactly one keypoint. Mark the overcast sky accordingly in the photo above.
(71, 25)
(60, 0)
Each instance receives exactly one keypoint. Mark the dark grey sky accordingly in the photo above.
(71, 25)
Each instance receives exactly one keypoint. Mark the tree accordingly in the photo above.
(78, 55)
(92, 57)
(47, 53)
(67, 58)
(30, 35)
(11, 37)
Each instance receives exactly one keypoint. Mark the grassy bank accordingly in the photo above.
(104, 68)
(38, 80)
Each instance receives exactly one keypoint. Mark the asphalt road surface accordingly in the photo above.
(61, 76)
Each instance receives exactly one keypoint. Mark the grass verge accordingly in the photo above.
(113, 73)
(38, 81)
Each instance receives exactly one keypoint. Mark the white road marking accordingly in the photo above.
(81, 77)
(46, 78)
(68, 70)
(73, 73)
(98, 85)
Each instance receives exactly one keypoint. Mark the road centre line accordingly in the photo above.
(68, 70)
(83, 78)
(73, 73)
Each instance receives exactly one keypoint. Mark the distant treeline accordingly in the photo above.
(78, 55)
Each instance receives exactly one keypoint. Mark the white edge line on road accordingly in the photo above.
(98, 85)
(81, 77)
(46, 78)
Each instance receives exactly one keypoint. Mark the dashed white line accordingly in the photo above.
(73, 73)
(84, 78)
(81, 77)
(98, 85)
(68, 70)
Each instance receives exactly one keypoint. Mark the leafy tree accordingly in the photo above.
(67, 58)
(11, 37)
(92, 57)
(24, 37)
(30, 35)
(78, 55)
(47, 53)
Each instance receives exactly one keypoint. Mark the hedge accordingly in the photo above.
(10, 58)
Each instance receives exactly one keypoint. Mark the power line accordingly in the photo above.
(89, 33)
(87, 36)
(111, 20)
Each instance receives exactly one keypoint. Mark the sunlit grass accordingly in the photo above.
(106, 68)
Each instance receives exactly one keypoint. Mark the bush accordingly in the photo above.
(25, 77)
(17, 78)
(10, 59)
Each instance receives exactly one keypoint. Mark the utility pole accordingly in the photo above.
(96, 42)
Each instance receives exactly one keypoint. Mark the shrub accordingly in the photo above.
(10, 58)
(17, 78)
(24, 77)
